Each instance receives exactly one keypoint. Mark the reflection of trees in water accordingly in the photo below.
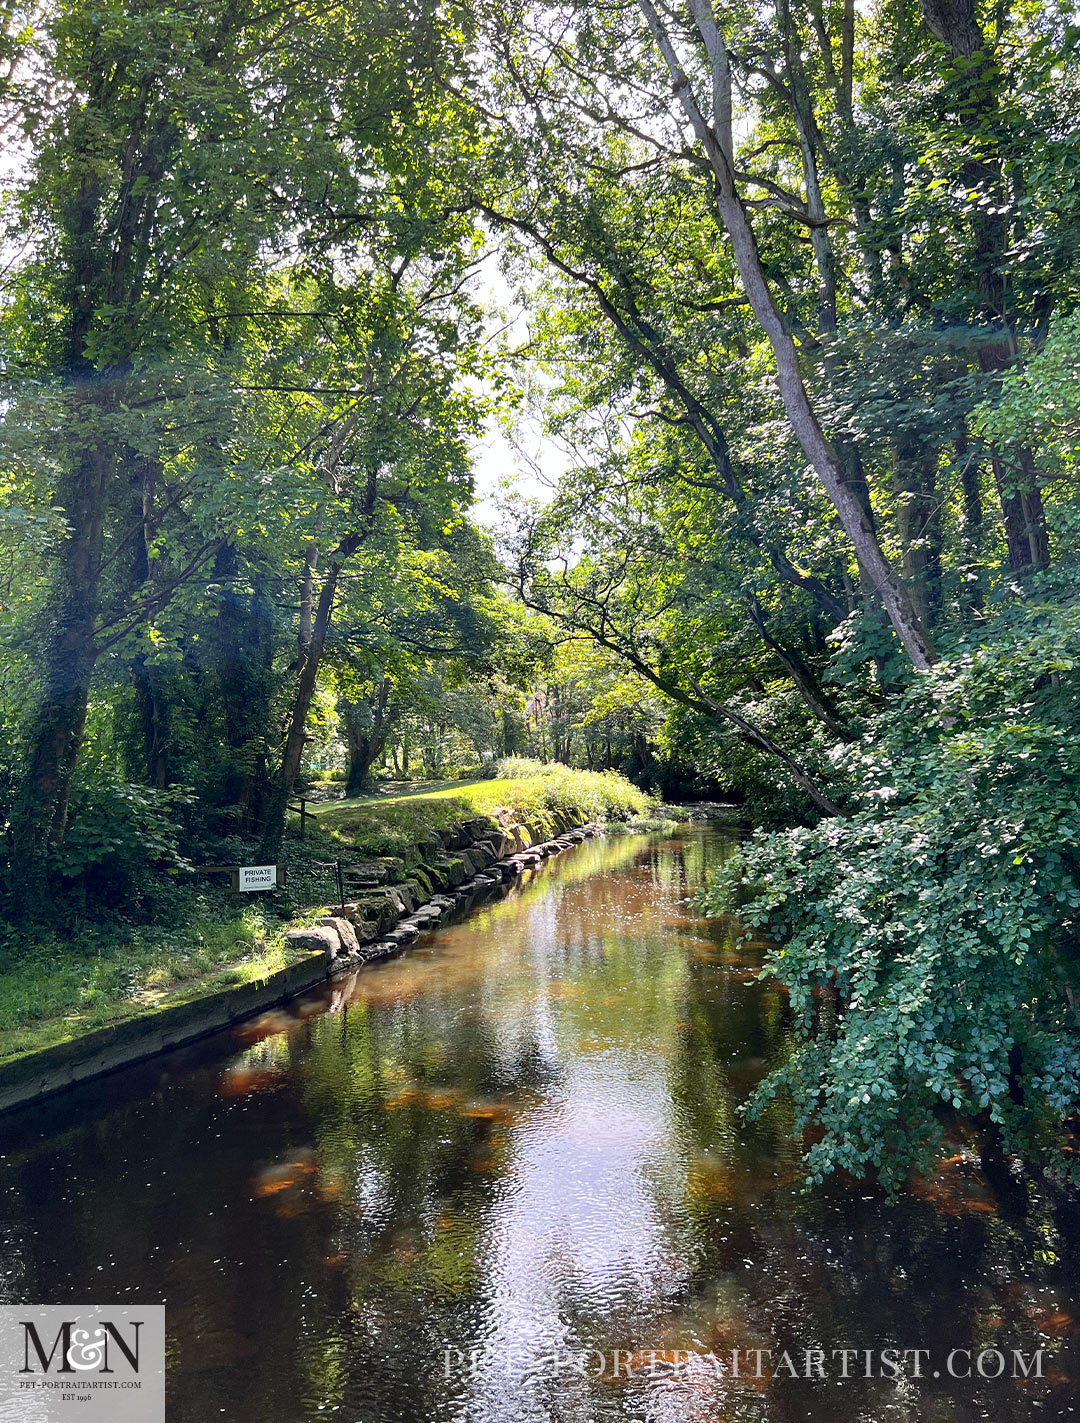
(529, 1125)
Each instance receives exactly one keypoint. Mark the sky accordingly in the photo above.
(529, 461)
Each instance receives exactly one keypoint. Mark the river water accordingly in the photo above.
(503, 1179)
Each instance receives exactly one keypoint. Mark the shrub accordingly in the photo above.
(119, 831)
(553, 786)
(942, 913)
(515, 768)
(394, 827)
(598, 795)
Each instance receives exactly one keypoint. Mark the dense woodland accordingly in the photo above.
(800, 289)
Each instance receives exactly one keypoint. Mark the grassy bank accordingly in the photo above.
(191, 936)
(393, 825)
(188, 936)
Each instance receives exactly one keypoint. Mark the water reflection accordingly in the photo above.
(520, 1144)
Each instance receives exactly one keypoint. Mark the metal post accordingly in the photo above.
(340, 886)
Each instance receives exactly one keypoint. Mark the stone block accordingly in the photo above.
(320, 937)
(377, 908)
(453, 870)
(344, 930)
(419, 892)
(373, 870)
(399, 906)
(432, 874)
(378, 950)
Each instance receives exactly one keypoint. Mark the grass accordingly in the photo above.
(396, 824)
(395, 790)
(48, 998)
(50, 993)
(185, 938)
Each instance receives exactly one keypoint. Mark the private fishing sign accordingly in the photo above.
(251, 877)
(247, 879)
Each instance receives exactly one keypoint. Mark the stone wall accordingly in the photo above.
(390, 904)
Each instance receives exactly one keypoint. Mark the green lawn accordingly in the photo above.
(53, 991)
(187, 936)
(400, 790)
(393, 824)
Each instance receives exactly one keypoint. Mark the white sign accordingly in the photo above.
(258, 876)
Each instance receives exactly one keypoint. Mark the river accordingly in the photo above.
(503, 1179)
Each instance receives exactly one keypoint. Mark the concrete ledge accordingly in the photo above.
(147, 1034)
(40, 1074)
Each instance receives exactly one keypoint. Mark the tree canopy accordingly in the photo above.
(801, 289)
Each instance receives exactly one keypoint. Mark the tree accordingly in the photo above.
(176, 228)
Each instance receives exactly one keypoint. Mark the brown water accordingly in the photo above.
(520, 1144)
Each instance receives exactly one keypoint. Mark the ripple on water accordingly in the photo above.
(519, 1144)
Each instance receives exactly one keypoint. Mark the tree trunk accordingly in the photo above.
(307, 602)
(295, 738)
(153, 718)
(971, 499)
(717, 144)
(243, 663)
(59, 718)
(102, 256)
(917, 525)
(148, 677)
(365, 738)
(364, 751)
(1022, 512)
(956, 24)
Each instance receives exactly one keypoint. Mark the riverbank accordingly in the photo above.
(385, 919)
(233, 957)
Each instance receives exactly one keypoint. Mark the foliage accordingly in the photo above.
(516, 767)
(929, 940)
(166, 938)
(524, 791)
(585, 795)
(118, 832)
(802, 287)
(1039, 403)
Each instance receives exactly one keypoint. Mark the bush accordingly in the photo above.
(519, 768)
(552, 786)
(942, 914)
(597, 795)
(395, 827)
(120, 831)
